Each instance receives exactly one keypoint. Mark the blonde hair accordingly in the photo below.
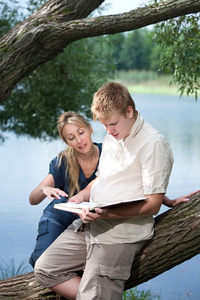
(70, 153)
(111, 97)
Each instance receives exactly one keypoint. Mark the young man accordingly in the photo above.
(136, 162)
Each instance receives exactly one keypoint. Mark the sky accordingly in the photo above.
(115, 6)
(120, 6)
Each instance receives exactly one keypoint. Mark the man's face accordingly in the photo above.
(119, 126)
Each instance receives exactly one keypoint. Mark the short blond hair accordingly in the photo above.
(111, 97)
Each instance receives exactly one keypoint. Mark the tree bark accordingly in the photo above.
(177, 235)
(51, 28)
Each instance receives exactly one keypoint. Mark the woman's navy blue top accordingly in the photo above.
(54, 221)
(59, 176)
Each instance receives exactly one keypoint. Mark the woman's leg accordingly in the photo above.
(48, 231)
(52, 223)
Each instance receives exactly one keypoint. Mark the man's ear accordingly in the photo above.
(129, 112)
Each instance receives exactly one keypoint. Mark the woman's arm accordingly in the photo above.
(46, 189)
(174, 202)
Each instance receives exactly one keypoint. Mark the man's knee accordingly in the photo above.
(39, 272)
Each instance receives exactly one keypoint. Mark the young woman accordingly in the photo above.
(69, 172)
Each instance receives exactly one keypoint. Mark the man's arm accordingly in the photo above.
(147, 207)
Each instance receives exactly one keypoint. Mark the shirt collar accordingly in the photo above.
(135, 128)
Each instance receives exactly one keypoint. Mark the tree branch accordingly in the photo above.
(176, 231)
(50, 29)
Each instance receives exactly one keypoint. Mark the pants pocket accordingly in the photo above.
(116, 273)
(42, 228)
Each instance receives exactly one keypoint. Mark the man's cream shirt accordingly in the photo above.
(131, 168)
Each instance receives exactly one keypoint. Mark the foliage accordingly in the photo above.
(132, 51)
(179, 40)
(8, 270)
(113, 45)
(10, 15)
(33, 5)
(66, 83)
(135, 294)
(136, 50)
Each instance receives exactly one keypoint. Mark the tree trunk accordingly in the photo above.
(50, 29)
(176, 231)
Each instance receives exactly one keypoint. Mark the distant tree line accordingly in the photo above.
(135, 50)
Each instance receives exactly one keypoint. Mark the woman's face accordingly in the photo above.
(78, 137)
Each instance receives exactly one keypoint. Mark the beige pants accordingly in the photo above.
(106, 267)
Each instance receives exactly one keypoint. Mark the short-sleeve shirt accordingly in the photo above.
(59, 173)
(131, 168)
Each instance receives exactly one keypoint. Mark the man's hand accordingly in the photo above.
(83, 195)
(78, 198)
(88, 216)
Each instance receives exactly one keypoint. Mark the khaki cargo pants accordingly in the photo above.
(106, 267)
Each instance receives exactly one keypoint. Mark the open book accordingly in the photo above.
(77, 207)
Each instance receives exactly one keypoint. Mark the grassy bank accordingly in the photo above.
(135, 294)
(146, 82)
(9, 269)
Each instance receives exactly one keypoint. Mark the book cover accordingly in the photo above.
(77, 207)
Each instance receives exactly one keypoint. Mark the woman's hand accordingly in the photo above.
(52, 193)
(174, 202)
(88, 216)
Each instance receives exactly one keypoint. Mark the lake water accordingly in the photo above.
(24, 163)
